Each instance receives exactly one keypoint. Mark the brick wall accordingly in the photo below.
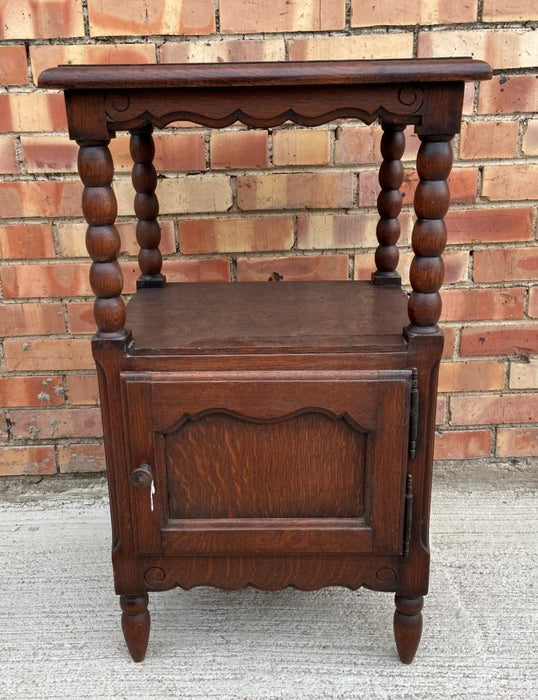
(241, 214)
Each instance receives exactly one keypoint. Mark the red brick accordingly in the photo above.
(223, 51)
(301, 147)
(406, 12)
(524, 375)
(239, 149)
(503, 265)
(206, 270)
(502, 48)
(517, 182)
(32, 111)
(79, 458)
(362, 145)
(254, 16)
(508, 10)
(488, 140)
(462, 183)
(469, 226)
(441, 410)
(72, 235)
(8, 156)
(499, 340)
(456, 265)
(450, 342)
(301, 268)
(340, 48)
(47, 354)
(31, 391)
(13, 65)
(472, 375)
(49, 154)
(530, 137)
(236, 234)
(82, 389)
(16, 461)
(45, 199)
(533, 302)
(31, 319)
(132, 17)
(493, 409)
(369, 188)
(322, 231)
(23, 241)
(462, 444)
(355, 230)
(56, 423)
(183, 195)
(28, 19)
(295, 190)
(509, 94)
(517, 442)
(81, 319)
(469, 94)
(173, 151)
(51, 55)
(472, 304)
(48, 280)
(357, 145)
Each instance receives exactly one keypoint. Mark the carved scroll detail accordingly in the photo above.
(265, 107)
(266, 421)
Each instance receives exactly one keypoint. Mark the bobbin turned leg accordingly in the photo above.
(146, 205)
(407, 626)
(434, 162)
(135, 623)
(96, 171)
(389, 204)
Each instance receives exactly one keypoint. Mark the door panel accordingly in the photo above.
(277, 462)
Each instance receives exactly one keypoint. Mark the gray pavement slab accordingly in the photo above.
(60, 620)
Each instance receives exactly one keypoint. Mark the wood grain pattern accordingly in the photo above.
(96, 170)
(305, 466)
(146, 206)
(432, 198)
(256, 316)
(389, 205)
(69, 77)
(257, 434)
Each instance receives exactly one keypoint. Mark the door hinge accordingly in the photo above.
(413, 415)
(408, 517)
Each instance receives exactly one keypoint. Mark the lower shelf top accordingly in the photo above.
(254, 317)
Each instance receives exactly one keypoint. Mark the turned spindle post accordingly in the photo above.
(146, 205)
(407, 626)
(99, 206)
(389, 204)
(135, 624)
(434, 162)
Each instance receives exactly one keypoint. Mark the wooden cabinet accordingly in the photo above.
(277, 433)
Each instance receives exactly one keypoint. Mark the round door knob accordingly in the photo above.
(141, 477)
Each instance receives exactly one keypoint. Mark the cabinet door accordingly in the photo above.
(272, 462)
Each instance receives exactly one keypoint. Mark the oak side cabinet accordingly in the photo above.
(268, 434)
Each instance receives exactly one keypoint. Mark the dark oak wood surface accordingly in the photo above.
(256, 317)
(296, 73)
(268, 434)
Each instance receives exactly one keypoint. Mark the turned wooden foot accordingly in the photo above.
(407, 626)
(135, 623)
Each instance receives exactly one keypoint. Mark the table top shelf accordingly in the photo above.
(282, 73)
(260, 317)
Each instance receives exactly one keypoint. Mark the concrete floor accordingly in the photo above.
(60, 632)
